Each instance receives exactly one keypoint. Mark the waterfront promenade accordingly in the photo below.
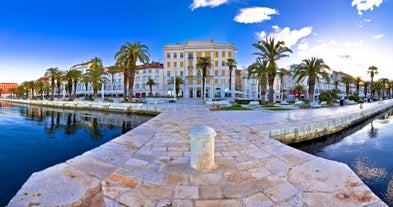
(149, 166)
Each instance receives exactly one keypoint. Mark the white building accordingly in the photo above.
(181, 59)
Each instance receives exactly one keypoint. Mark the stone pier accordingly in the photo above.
(150, 165)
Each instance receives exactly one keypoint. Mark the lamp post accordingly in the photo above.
(174, 86)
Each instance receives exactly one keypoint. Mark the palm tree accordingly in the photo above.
(281, 73)
(31, 85)
(377, 87)
(203, 66)
(85, 80)
(271, 51)
(299, 89)
(231, 63)
(151, 83)
(347, 80)
(68, 77)
(75, 75)
(179, 81)
(39, 87)
(1, 92)
(127, 57)
(52, 74)
(384, 86)
(112, 70)
(95, 73)
(313, 69)
(365, 87)
(258, 70)
(59, 78)
(336, 84)
(358, 80)
(12, 91)
(390, 88)
(372, 70)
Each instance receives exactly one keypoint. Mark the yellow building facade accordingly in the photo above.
(181, 59)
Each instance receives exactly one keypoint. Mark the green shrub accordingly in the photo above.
(354, 97)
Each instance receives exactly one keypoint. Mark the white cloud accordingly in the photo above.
(354, 44)
(367, 20)
(254, 15)
(207, 3)
(377, 37)
(364, 5)
(290, 37)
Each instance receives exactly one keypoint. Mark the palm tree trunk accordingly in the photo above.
(203, 87)
(131, 83)
(311, 93)
(125, 84)
(271, 89)
(230, 81)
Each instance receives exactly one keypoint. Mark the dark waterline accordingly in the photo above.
(366, 148)
(34, 138)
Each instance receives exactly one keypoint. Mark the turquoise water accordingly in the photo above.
(34, 138)
(367, 149)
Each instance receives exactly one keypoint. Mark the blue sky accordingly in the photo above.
(350, 35)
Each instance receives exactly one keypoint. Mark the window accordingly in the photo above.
(199, 54)
(157, 71)
(230, 54)
(181, 73)
(144, 71)
(216, 63)
(223, 72)
(150, 71)
(168, 55)
(207, 54)
(175, 55)
(168, 73)
(181, 55)
(216, 72)
(190, 56)
(223, 54)
(215, 81)
(175, 64)
(168, 64)
(143, 85)
(216, 54)
(181, 64)
(223, 63)
(136, 86)
(157, 78)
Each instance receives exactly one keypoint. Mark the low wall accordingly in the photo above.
(297, 134)
(96, 106)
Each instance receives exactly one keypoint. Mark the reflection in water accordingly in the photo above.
(373, 132)
(72, 121)
(366, 148)
(363, 168)
(34, 138)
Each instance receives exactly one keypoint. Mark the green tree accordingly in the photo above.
(271, 51)
(347, 80)
(231, 63)
(95, 73)
(204, 64)
(336, 82)
(372, 70)
(313, 69)
(258, 71)
(31, 85)
(1, 92)
(299, 89)
(113, 70)
(358, 81)
(151, 83)
(179, 81)
(39, 87)
(127, 57)
(384, 86)
(281, 73)
(365, 87)
(52, 74)
(59, 79)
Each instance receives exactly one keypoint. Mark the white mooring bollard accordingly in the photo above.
(202, 147)
(291, 115)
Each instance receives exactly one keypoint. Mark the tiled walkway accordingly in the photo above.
(149, 166)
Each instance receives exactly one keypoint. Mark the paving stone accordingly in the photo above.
(258, 200)
(131, 199)
(113, 189)
(186, 192)
(215, 203)
(176, 179)
(211, 192)
(126, 181)
(92, 165)
(281, 192)
(202, 179)
(155, 190)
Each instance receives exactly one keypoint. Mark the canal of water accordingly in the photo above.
(366, 148)
(33, 138)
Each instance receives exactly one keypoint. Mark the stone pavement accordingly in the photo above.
(149, 166)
